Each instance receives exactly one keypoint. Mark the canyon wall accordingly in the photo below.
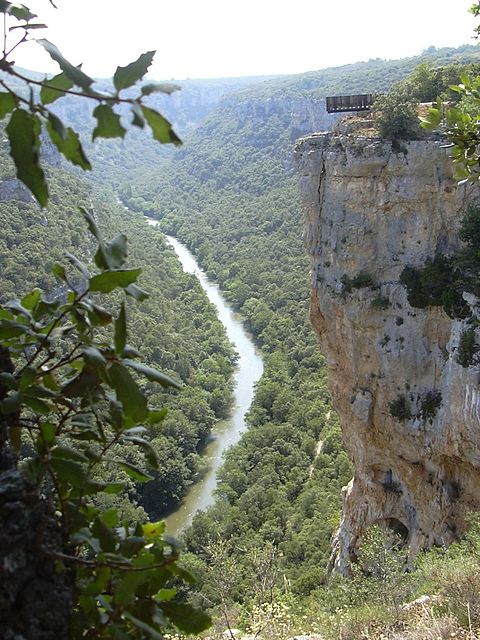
(370, 212)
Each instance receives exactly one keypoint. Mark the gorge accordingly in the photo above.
(227, 432)
(404, 390)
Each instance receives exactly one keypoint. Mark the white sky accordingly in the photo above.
(215, 38)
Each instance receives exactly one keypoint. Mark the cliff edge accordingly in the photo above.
(410, 412)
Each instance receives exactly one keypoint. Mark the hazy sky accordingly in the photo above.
(215, 38)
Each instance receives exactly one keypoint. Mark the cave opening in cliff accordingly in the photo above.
(397, 527)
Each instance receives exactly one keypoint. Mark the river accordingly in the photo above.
(247, 372)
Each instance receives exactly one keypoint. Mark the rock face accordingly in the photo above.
(13, 189)
(369, 213)
(299, 114)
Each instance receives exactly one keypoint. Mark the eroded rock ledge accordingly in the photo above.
(369, 213)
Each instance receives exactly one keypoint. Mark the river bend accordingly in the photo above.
(247, 372)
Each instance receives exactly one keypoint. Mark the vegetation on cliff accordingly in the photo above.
(75, 401)
(262, 550)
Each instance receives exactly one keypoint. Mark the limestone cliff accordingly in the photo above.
(299, 114)
(369, 213)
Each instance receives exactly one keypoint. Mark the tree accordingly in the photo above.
(461, 123)
(424, 83)
(397, 119)
(71, 404)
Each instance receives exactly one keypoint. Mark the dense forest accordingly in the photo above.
(261, 551)
(176, 328)
(230, 195)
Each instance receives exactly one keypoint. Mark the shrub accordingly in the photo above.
(362, 280)
(397, 115)
(347, 283)
(467, 261)
(430, 404)
(400, 409)
(438, 283)
(380, 303)
(459, 581)
(470, 229)
(466, 348)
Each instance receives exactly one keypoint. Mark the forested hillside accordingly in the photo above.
(186, 108)
(229, 194)
(176, 328)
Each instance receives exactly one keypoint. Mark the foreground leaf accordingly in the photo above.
(160, 126)
(75, 74)
(153, 374)
(127, 76)
(7, 103)
(67, 142)
(185, 617)
(133, 401)
(111, 255)
(134, 472)
(23, 132)
(55, 88)
(108, 123)
(110, 280)
(18, 11)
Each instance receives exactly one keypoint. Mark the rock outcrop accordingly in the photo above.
(299, 114)
(370, 212)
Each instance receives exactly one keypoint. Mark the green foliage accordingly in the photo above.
(454, 575)
(427, 404)
(176, 328)
(367, 604)
(361, 281)
(470, 229)
(460, 124)
(427, 82)
(381, 563)
(30, 116)
(467, 260)
(380, 303)
(430, 403)
(397, 115)
(80, 397)
(475, 10)
(436, 284)
(467, 348)
(83, 414)
(399, 409)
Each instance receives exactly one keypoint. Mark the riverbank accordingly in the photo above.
(248, 371)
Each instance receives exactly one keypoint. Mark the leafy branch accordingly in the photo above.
(75, 390)
(29, 116)
(461, 126)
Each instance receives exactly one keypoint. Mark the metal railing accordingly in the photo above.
(362, 102)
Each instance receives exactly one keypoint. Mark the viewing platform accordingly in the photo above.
(362, 102)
